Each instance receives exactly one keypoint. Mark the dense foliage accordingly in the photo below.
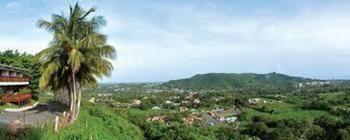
(230, 81)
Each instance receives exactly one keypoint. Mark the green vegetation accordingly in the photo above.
(155, 111)
(280, 111)
(95, 122)
(272, 82)
(275, 116)
(309, 120)
(176, 129)
(2, 107)
(231, 81)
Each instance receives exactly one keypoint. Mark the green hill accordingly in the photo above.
(234, 81)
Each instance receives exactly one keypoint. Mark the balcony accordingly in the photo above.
(13, 81)
(15, 98)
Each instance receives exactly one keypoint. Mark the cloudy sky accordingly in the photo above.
(159, 40)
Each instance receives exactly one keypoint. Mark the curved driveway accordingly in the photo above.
(38, 115)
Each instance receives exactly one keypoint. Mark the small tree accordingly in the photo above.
(347, 91)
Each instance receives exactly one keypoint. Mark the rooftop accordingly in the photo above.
(10, 68)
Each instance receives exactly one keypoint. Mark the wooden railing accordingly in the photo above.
(15, 98)
(13, 79)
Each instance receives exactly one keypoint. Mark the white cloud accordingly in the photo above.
(192, 41)
(13, 5)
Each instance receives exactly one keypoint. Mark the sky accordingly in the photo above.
(160, 40)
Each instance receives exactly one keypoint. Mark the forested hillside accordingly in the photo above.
(234, 81)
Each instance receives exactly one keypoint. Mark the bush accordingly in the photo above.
(341, 111)
(266, 109)
(319, 104)
(347, 91)
(228, 133)
(149, 103)
(24, 90)
(116, 125)
(175, 131)
(2, 91)
(259, 130)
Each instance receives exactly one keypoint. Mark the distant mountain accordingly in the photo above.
(234, 81)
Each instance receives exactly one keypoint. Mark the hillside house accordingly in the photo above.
(231, 119)
(13, 79)
(254, 101)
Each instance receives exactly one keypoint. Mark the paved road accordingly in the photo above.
(38, 115)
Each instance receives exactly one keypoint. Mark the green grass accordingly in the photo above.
(332, 95)
(94, 123)
(3, 107)
(290, 107)
(282, 111)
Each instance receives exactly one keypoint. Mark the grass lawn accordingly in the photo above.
(2, 107)
(281, 111)
(331, 95)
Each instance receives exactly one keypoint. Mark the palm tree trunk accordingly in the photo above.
(71, 110)
(74, 99)
(70, 98)
(78, 104)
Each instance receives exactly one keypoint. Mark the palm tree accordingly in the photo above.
(77, 55)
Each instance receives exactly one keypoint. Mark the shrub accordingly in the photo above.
(175, 131)
(2, 91)
(228, 133)
(319, 104)
(259, 130)
(266, 109)
(24, 90)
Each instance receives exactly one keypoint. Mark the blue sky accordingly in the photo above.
(159, 40)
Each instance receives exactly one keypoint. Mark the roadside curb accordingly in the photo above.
(21, 109)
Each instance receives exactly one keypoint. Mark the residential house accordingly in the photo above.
(12, 79)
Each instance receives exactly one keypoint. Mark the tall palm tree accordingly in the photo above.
(77, 55)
